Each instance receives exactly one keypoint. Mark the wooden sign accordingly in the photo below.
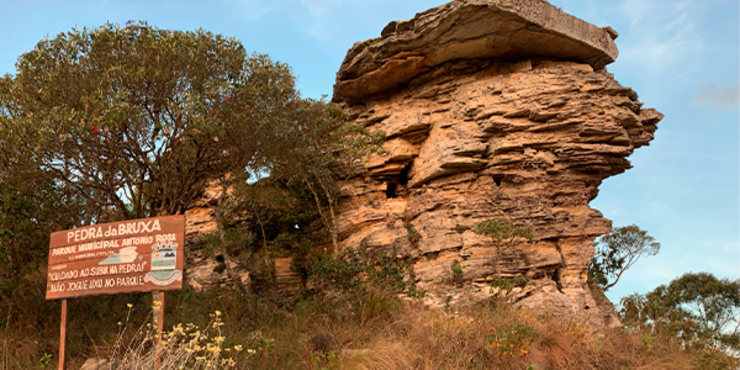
(119, 257)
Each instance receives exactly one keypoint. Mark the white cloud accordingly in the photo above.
(715, 98)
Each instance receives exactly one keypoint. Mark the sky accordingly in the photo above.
(682, 57)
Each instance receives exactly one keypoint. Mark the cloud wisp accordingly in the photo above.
(715, 98)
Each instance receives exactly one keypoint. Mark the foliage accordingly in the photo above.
(320, 150)
(136, 119)
(397, 333)
(699, 309)
(358, 268)
(505, 233)
(618, 251)
(413, 236)
(46, 361)
(503, 230)
(508, 283)
(458, 275)
(185, 346)
(512, 339)
(282, 213)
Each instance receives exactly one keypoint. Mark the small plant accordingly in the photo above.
(458, 276)
(511, 340)
(503, 230)
(185, 346)
(461, 229)
(504, 233)
(509, 283)
(412, 291)
(45, 361)
(413, 237)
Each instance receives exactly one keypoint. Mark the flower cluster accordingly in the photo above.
(511, 340)
(184, 347)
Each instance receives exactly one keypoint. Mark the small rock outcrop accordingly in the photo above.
(492, 109)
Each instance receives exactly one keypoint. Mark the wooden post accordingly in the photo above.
(160, 325)
(63, 335)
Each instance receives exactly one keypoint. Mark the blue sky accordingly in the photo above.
(682, 57)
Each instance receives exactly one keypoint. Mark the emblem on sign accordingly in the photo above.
(164, 262)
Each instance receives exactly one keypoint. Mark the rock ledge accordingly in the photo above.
(469, 29)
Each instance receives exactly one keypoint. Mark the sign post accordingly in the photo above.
(63, 335)
(160, 324)
(144, 255)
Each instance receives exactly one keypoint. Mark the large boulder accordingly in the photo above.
(492, 109)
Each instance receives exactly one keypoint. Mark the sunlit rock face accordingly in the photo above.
(492, 109)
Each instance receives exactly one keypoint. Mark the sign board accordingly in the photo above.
(120, 257)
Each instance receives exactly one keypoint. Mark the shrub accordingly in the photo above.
(509, 283)
(185, 346)
(458, 276)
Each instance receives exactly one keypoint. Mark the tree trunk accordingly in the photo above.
(262, 229)
(333, 227)
(327, 223)
(222, 238)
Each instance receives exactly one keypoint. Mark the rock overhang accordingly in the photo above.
(469, 29)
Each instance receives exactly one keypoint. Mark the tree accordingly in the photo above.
(698, 308)
(617, 251)
(138, 119)
(32, 205)
(321, 150)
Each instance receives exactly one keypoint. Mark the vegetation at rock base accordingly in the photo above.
(618, 251)
(372, 329)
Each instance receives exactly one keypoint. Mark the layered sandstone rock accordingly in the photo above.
(492, 109)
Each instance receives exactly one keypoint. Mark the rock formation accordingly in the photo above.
(492, 109)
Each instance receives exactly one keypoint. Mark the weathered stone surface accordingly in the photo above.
(203, 272)
(469, 29)
(471, 137)
(492, 109)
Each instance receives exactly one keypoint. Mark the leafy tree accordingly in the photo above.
(618, 251)
(137, 119)
(32, 205)
(698, 308)
(321, 150)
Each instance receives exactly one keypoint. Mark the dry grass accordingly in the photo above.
(374, 330)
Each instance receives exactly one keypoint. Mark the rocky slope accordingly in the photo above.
(492, 109)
